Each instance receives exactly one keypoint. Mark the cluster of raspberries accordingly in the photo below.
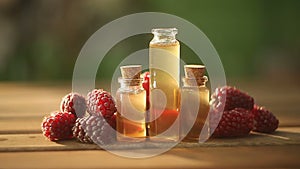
(96, 126)
(233, 113)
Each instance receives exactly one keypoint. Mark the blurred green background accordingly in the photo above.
(41, 39)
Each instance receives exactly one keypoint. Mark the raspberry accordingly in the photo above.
(58, 125)
(146, 86)
(112, 121)
(230, 98)
(146, 81)
(79, 132)
(264, 120)
(233, 123)
(98, 130)
(75, 103)
(100, 102)
(93, 129)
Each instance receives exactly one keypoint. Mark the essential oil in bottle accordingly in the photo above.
(194, 103)
(131, 105)
(164, 59)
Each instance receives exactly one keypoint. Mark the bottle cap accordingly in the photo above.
(194, 71)
(131, 71)
(131, 74)
(194, 74)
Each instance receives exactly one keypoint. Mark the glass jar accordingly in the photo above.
(164, 60)
(194, 108)
(131, 110)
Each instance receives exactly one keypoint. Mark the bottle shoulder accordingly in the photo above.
(130, 90)
(163, 43)
(195, 88)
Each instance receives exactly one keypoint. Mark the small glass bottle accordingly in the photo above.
(131, 105)
(194, 104)
(164, 59)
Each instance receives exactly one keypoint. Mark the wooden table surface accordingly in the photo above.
(23, 105)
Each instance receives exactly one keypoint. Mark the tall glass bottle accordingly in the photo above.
(164, 60)
(194, 104)
(131, 106)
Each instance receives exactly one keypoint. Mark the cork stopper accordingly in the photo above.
(195, 73)
(131, 73)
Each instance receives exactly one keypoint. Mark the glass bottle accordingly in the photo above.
(131, 105)
(194, 104)
(164, 59)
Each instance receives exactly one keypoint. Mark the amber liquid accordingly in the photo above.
(131, 117)
(191, 98)
(164, 88)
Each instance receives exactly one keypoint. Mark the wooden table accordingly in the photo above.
(22, 107)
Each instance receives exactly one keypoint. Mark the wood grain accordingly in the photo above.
(205, 157)
(36, 142)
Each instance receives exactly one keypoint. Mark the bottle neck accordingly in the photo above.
(130, 83)
(164, 35)
(194, 82)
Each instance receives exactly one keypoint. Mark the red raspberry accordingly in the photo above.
(233, 123)
(93, 129)
(112, 121)
(146, 81)
(58, 125)
(264, 120)
(146, 86)
(75, 103)
(101, 102)
(79, 131)
(230, 98)
(100, 132)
